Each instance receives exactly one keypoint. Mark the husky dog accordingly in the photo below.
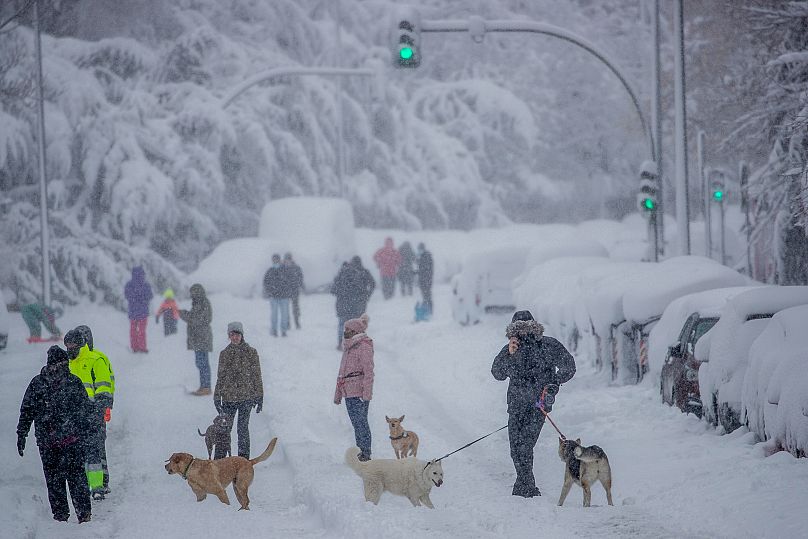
(407, 477)
(584, 466)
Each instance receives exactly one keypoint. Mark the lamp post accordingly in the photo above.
(680, 120)
(43, 181)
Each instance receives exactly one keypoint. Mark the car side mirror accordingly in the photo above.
(675, 350)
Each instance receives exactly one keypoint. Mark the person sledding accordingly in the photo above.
(37, 315)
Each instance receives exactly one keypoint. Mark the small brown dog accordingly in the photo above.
(403, 441)
(213, 476)
(218, 433)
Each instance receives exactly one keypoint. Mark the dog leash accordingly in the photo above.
(547, 415)
(471, 443)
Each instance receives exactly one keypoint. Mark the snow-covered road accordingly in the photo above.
(673, 476)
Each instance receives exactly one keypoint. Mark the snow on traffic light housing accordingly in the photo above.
(647, 198)
(406, 38)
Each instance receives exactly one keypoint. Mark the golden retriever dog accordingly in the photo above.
(404, 442)
(411, 478)
(213, 476)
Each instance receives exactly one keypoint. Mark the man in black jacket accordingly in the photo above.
(426, 271)
(532, 362)
(353, 287)
(58, 406)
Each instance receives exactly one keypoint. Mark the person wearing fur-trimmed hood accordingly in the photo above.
(531, 361)
(355, 380)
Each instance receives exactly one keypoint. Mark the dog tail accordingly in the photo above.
(199, 431)
(589, 454)
(267, 452)
(352, 459)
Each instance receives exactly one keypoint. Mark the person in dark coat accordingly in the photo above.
(353, 287)
(138, 293)
(295, 276)
(406, 271)
(277, 288)
(57, 404)
(426, 271)
(200, 336)
(239, 388)
(531, 361)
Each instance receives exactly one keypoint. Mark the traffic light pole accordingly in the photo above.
(478, 27)
(43, 180)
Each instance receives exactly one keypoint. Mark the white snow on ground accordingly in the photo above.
(673, 475)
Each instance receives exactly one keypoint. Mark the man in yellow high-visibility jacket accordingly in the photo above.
(95, 372)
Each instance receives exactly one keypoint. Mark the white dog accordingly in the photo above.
(408, 477)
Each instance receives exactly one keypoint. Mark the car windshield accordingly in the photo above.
(704, 325)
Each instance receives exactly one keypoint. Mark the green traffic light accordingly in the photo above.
(648, 204)
(718, 195)
(406, 53)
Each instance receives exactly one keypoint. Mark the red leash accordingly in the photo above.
(547, 415)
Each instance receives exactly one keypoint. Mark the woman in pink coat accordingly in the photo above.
(355, 380)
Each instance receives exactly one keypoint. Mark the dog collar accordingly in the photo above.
(185, 473)
(404, 435)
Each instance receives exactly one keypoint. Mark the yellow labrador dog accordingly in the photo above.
(213, 476)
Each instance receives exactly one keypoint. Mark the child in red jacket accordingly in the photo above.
(170, 311)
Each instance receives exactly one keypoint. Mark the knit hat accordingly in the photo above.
(358, 325)
(75, 337)
(56, 355)
(522, 315)
(168, 294)
(235, 327)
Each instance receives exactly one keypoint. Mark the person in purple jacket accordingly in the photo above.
(138, 293)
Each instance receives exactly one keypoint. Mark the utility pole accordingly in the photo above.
(337, 58)
(656, 127)
(708, 229)
(43, 181)
(680, 98)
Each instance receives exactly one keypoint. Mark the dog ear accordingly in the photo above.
(400, 419)
(387, 419)
(578, 441)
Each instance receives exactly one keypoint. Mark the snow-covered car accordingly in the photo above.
(774, 403)
(673, 342)
(486, 283)
(722, 372)
(5, 322)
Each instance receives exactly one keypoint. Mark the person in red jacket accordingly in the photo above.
(355, 380)
(170, 313)
(388, 259)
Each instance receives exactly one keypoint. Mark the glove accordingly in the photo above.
(259, 405)
(107, 414)
(217, 402)
(20, 445)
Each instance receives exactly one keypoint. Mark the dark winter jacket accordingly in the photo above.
(295, 278)
(200, 336)
(539, 360)
(58, 406)
(353, 287)
(426, 269)
(138, 293)
(406, 271)
(239, 376)
(279, 282)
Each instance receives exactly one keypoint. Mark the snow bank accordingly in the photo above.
(665, 333)
(319, 232)
(775, 387)
(732, 337)
(237, 267)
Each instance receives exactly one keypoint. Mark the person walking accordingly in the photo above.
(426, 271)
(57, 405)
(388, 259)
(239, 387)
(355, 381)
(353, 287)
(295, 276)
(535, 365)
(277, 290)
(36, 315)
(170, 313)
(200, 335)
(406, 271)
(138, 293)
(99, 383)
(103, 377)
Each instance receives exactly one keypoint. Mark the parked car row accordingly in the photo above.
(735, 352)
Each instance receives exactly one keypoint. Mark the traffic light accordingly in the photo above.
(406, 38)
(717, 192)
(648, 197)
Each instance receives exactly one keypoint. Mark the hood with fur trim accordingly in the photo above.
(522, 329)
